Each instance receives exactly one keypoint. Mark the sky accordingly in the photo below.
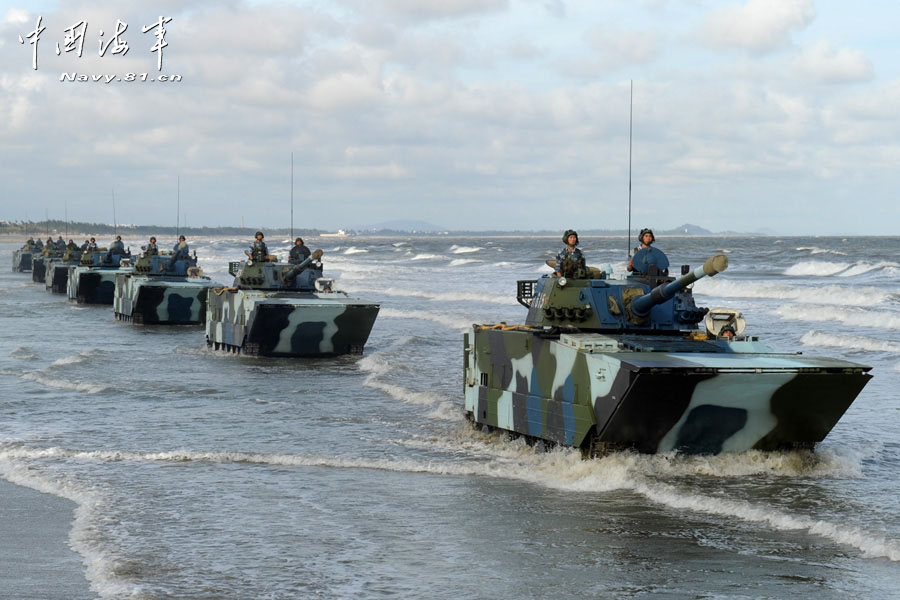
(756, 115)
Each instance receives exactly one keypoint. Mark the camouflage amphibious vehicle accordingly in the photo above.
(162, 291)
(281, 309)
(56, 276)
(22, 258)
(93, 280)
(40, 261)
(606, 364)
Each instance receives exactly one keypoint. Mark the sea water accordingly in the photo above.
(203, 474)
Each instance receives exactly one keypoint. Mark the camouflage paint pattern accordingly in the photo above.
(21, 261)
(652, 393)
(93, 285)
(161, 300)
(56, 277)
(38, 269)
(286, 323)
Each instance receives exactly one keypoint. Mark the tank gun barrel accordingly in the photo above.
(290, 275)
(642, 305)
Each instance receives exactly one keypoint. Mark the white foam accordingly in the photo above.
(878, 319)
(450, 321)
(825, 294)
(355, 250)
(816, 250)
(426, 256)
(456, 262)
(816, 268)
(852, 342)
(861, 268)
(505, 300)
(464, 249)
(75, 358)
(62, 384)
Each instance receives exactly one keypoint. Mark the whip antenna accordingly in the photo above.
(292, 197)
(115, 223)
(630, 120)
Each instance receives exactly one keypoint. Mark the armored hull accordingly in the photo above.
(288, 323)
(22, 260)
(38, 268)
(161, 300)
(93, 281)
(603, 365)
(56, 277)
(279, 309)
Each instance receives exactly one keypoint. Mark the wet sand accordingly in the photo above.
(35, 559)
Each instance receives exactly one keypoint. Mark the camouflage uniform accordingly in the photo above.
(570, 263)
(259, 251)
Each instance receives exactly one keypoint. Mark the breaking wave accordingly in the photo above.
(851, 342)
(426, 256)
(457, 262)
(826, 294)
(75, 358)
(22, 353)
(815, 250)
(464, 249)
(440, 296)
(450, 321)
(816, 268)
(355, 250)
(857, 317)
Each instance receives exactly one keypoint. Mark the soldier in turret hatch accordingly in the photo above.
(150, 249)
(92, 246)
(180, 251)
(49, 241)
(570, 260)
(71, 246)
(115, 248)
(39, 244)
(85, 246)
(299, 252)
(647, 256)
(29, 244)
(61, 244)
(259, 251)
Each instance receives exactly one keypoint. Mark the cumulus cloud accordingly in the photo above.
(612, 50)
(442, 8)
(757, 25)
(823, 63)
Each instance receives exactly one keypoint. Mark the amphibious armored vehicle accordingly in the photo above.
(56, 276)
(162, 291)
(22, 258)
(603, 364)
(40, 261)
(93, 280)
(281, 309)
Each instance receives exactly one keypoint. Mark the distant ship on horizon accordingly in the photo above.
(339, 233)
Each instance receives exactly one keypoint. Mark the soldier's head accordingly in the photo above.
(93, 240)
(152, 240)
(118, 238)
(298, 241)
(646, 236)
(570, 237)
(71, 241)
(259, 236)
(181, 238)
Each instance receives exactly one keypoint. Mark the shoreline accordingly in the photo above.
(35, 559)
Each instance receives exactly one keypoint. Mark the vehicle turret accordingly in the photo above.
(156, 265)
(638, 303)
(273, 275)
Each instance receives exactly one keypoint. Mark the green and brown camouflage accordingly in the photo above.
(608, 364)
(162, 292)
(281, 309)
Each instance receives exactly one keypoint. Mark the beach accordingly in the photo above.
(35, 558)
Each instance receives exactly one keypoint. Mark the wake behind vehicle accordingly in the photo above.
(282, 309)
(603, 364)
(162, 290)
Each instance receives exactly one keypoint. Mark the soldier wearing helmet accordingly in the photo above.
(299, 252)
(570, 260)
(647, 256)
(151, 249)
(259, 251)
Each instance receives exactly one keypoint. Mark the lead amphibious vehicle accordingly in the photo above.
(603, 364)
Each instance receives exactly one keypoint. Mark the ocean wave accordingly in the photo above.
(464, 249)
(861, 268)
(426, 256)
(851, 342)
(458, 322)
(505, 300)
(816, 268)
(817, 250)
(22, 353)
(355, 250)
(62, 384)
(75, 358)
(564, 469)
(458, 262)
(857, 318)
(827, 294)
